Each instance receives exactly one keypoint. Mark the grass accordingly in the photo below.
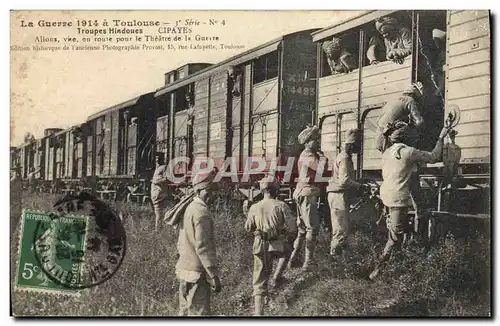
(453, 279)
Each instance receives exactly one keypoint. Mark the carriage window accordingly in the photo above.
(388, 38)
(265, 67)
(184, 97)
(339, 53)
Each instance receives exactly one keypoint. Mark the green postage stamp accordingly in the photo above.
(51, 253)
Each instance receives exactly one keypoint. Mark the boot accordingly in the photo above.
(297, 245)
(259, 305)
(309, 262)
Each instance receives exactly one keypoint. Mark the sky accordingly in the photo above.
(61, 89)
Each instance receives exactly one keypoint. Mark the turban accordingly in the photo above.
(415, 88)
(397, 131)
(331, 46)
(203, 180)
(352, 136)
(310, 133)
(439, 34)
(386, 22)
(269, 182)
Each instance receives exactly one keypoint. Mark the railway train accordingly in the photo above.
(256, 103)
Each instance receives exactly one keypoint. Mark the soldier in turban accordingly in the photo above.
(196, 268)
(274, 227)
(405, 108)
(340, 186)
(397, 41)
(306, 196)
(159, 189)
(339, 59)
(398, 163)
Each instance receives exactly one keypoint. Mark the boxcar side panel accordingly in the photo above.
(372, 158)
(200, 123)
(131, 153)
(298, 101)
(114, 149)
(265, 96)
(468, 83)
(247, 91)
(218, 115)
(385, 81)
(265, 135)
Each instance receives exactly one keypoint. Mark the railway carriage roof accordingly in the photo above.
(234, 60)
(117, 107)
(362, 18)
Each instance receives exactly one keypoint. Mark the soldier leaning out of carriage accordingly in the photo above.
(396, 43)
(399, 161)
(339, 59)
(275, 227)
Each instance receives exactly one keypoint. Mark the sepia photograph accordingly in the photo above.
(257, 163)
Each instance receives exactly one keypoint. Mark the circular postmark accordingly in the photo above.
(82, 244)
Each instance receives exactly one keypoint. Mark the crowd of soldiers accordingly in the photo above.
(279, 235)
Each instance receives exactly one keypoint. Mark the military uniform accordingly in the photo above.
(159, 193)
(306, 196)
(273, 225)
(340, 185)
(396, 48)
(339, 59)
(405, 109)
(398, 163)
(197, 264)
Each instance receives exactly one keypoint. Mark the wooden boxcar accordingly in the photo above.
(252, 104)
(120, 140)
(355, 99)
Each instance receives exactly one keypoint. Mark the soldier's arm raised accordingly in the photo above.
(205, 244)
(429, 157)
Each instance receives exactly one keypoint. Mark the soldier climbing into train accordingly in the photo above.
(339, 59)
(197, 268)
(397, 41)
(341, 186)
(275, 228)
(406, 108)
(159, 189)
(306, 196)
(398, 163)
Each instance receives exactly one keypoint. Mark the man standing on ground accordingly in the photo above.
(196, 268)
(306, 196)
(341, 185)
(159, 189)
(275, 228)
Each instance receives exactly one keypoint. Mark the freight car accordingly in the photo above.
(119, 147)
(252, 104)
(355, 99)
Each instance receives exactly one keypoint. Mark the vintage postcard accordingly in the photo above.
(250, 163)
